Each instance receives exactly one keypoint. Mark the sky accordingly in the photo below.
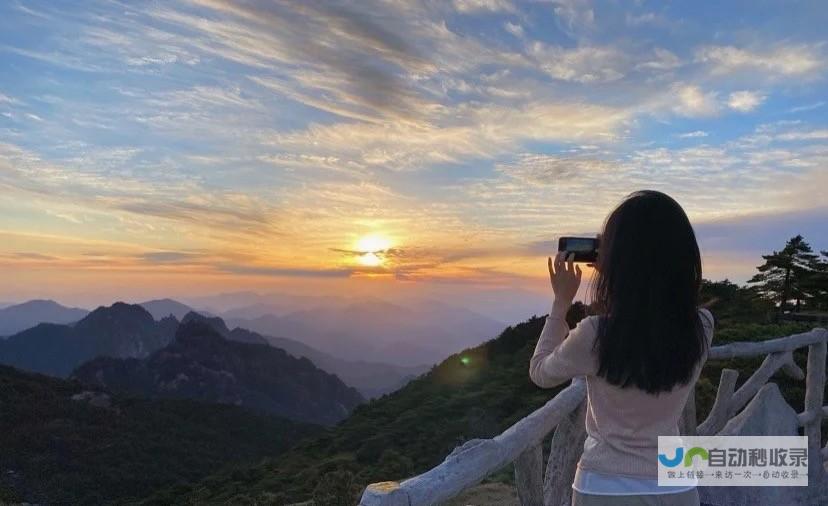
(203, 146)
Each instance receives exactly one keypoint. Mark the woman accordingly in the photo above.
(641, 355)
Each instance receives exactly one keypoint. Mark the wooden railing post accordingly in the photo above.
(529, 476)
(688, 422)
(814, 397)
(566, 448)
(720, 413)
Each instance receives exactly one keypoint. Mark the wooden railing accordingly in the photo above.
(537, 485)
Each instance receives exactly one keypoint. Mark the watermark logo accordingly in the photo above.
(727, 461)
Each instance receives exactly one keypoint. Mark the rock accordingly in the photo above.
(97, 399)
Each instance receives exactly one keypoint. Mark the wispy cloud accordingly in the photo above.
(285, 271)
(484, 5)
(549, 170)
(808, 107)
(585, 64)
(783, 59)
(745, 101)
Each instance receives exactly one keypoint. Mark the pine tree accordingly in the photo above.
(784, 275)
(816, 284)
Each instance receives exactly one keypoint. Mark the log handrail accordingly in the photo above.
(470, 463)
(473, 461)
(754, 348)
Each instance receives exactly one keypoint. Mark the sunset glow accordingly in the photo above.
(188, 146)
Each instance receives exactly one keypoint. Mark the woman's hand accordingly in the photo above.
(565, 277)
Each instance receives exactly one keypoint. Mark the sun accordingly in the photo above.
(371, 248)
(370, 260)
(372, 244)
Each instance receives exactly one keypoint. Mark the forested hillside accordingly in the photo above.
(100, 449)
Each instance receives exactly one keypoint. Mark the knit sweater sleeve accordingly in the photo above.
(562, 354)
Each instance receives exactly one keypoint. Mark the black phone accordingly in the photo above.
(585, 248)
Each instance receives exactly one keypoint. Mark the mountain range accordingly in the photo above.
(131, 332)
(202, 364)
(120, 330)
(17, 317)
(372, 379)
(414, 333)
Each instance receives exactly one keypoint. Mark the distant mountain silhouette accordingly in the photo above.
(377, 331)
(203, 365)
(217, 324)
(120, 330)
(159, 308)
(19, 317)
(372, 379)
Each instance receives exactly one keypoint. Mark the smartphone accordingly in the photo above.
(585, 248)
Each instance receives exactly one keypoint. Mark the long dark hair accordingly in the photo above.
(647, 288)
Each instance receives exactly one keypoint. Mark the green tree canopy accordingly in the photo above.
(786, 274)
(815, 285)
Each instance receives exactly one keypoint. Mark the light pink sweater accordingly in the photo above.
(622, 424)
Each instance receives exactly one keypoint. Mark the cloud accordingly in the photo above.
(548, 170)
(27, 255)
(807, 107)
(762, 232)
(574, 15)
(97, 188)
(204, 97)
(169, 257)
(584, 64)
(662, 60)
(515, 29)
(5, 99)
(783, 60)
(353, 46)
(467, 6)
(285, 271)
(694, 134)
(803, 135)
(692, 101)
(469, 132)
(745, 101)
(642, 19)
